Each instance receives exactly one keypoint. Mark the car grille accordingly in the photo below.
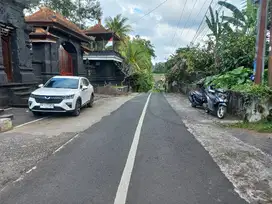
(49, 99)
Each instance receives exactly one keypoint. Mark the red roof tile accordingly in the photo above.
(98, 28)
(41, 31)
(45, 15)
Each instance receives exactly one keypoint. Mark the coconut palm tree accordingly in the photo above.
(119, 25)
(136, 56)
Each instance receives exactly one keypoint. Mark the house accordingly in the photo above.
(104, 63)
(45, 44)
(16, 72)
(58, 45)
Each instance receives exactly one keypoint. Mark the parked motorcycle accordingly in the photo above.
(216, 102)
(197, 97)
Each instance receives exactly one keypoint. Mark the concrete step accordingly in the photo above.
(20, 88)
(23, 93)
(20, 105)
(1, 110)
(19, 101)
(10, 116)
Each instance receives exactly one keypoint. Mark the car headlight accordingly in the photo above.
(69, 96)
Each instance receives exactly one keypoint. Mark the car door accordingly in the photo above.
(83, 93)
(90, 88)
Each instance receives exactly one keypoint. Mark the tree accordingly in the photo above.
(79, 12)
(87, 10)
(147, 45)
(138, 58)
(135, 56)
(216, 27)
(236, 50)
(245, 20)
(119, 25)
(159, 68)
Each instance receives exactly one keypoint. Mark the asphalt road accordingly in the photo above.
(170, 167)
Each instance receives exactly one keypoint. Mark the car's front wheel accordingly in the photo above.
(90, 104)
(76, 111)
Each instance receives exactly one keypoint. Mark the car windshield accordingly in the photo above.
(64, 83)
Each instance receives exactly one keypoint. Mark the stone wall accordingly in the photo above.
(110, 90)
(11, 14)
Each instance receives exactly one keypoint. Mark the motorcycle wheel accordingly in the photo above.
(221, 112)
(193, 105)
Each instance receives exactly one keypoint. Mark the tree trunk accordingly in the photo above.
(270, 53)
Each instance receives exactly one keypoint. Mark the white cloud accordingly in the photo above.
(161, 25)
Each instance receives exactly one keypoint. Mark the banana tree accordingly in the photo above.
(216, 27)
(242, 20)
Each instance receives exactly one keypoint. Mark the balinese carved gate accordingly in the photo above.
(66, 62)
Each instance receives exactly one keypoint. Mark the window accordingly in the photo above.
(85, 82)
(64, 83)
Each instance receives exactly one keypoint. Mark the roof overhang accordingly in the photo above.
(102, 36)
(103, 58)
(85, 49)
(63, 29)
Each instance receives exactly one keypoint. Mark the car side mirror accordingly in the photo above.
(84, 88)
(40, 85)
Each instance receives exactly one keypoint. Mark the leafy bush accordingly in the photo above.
(142, 81)
(229, 79)
(238, 80)
(261, 91)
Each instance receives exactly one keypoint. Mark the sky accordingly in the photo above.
(168, 28)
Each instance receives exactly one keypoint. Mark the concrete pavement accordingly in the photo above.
(171, 167)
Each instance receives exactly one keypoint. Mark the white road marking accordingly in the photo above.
(62, 146)
(33, 168)
(19, 179)
(121, 194)
(30, 122)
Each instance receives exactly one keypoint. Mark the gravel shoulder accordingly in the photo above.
(21, 148)
(246, 166)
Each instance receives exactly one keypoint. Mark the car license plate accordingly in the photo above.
(47, 106)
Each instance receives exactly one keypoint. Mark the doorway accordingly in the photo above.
(66, 62)
(6, 52)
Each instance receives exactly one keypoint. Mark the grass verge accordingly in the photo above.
(261, 126)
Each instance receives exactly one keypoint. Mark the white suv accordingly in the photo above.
(62, 94)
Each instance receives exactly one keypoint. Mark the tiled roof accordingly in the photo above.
(41, 35)
(45, 15)
(98, 28)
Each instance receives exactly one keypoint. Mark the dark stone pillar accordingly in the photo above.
(54, 51)
(80, 68)
(3, 76)
(22, 59)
